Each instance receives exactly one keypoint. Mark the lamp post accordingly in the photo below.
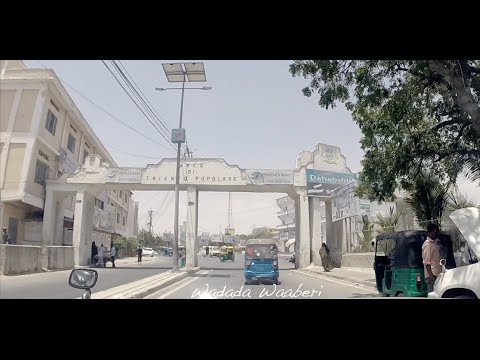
(181, 72)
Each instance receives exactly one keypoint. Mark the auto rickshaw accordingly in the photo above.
(398, 263)
(227, 253)
(261, 261)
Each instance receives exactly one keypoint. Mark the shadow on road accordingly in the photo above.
(365, 296)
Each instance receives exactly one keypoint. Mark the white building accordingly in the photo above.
(43, 135)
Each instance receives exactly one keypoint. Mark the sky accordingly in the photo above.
(255, 117)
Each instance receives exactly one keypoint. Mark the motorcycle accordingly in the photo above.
(84, 279)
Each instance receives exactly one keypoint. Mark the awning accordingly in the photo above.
(289, 242)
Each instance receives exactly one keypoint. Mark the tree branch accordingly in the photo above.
(465, 99)
(450, 122)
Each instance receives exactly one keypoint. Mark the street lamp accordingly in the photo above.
(181, 72)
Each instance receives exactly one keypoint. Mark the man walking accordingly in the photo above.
(6, 236)
(431, 256)
(113, 253)
(139, 254)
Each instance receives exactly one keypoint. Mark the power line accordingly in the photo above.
(137, 105)
(106, 111)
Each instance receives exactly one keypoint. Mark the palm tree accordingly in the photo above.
(389, 222)
(429, 199)
(367, 234)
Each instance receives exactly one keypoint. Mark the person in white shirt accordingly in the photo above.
(113, 253)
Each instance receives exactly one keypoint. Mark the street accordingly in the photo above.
(54, 285)
(225, 280)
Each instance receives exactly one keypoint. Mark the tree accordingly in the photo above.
(389, 222)
(429, 199)
(413, 115)
(366, 236)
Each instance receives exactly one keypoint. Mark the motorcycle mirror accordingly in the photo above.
(83, 278)
(443, 262)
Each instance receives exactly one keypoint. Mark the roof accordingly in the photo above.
(261, 242)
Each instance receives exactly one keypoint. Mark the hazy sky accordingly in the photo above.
(254, 117)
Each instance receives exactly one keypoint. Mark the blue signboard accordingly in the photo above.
(323, 183)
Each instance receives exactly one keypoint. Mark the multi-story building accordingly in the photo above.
(43, 135)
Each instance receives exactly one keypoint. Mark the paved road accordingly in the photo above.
(225, 280)
(54, 285)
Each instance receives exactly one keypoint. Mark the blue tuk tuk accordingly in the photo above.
(261, 261)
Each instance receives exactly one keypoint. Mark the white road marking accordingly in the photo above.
(336, 281)
(180, 285)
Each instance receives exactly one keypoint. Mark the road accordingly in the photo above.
(225, 280)
(54, 285)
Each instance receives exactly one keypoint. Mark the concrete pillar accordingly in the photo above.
(59, 218)
(49, 217)
(316, 229)
(192, 226)
(333, 243)
(83, 226)
(302, 237)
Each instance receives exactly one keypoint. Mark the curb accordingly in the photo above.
(361, 282)
(140, 289)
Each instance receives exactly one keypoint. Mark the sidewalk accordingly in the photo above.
(359, 276)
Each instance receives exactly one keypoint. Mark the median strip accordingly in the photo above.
(142, 288)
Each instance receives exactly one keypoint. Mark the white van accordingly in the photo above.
(462, 282)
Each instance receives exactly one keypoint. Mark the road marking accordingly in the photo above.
(335, 281)
(178, 286)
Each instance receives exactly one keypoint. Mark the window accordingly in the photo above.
(126, 198)
(54, 105)
(124, 221)
(118, 218)
(121, 194)
(99, 203)
(71, 143)
(41, 172)
(111, 203)
(51, 123)
(85, 154)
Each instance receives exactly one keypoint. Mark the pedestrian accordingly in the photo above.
(139, 254)
(431, 256)
(325, 257)
(101, 253)
(94, 253)
(207, 250)
(113, 253)
(6, 236)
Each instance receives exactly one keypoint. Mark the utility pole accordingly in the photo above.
(150, 225)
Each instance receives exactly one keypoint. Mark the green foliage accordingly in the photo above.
(414, 115)
(389, 222)
(429, 199)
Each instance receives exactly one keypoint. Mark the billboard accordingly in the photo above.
(323, 183)
(269, 177)
(124, 175)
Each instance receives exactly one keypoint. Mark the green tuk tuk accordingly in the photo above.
(227, 253)
(398, 264)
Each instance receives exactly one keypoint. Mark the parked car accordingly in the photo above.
(462, 282)
(148, 252)
(214, 251)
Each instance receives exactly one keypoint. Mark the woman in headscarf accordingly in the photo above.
(94, 253)
(326, 259)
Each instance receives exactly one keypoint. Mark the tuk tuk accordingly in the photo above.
(227, 253)
(261, 261)
(398, 263)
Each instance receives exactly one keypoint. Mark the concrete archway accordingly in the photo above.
(196, 175)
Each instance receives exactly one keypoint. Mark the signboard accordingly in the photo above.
(194, 172)
(230, 232)
(217, 238)
(269, 177)
(323, 183)
(178, 136)
(124, 175)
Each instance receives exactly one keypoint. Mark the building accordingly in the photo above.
(345, 208)
(43, 135)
